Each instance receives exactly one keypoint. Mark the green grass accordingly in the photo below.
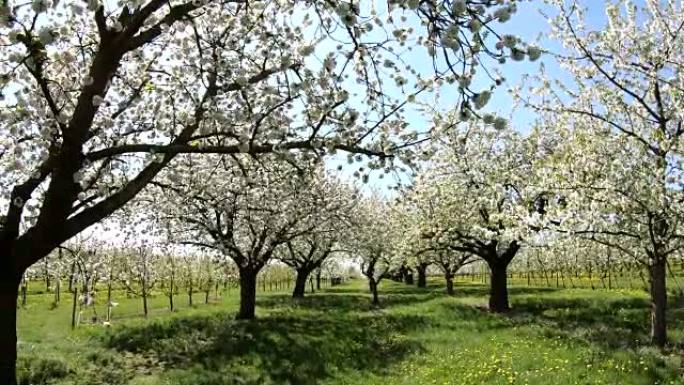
(416, 336)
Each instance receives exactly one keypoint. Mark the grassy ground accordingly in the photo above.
(416, 336)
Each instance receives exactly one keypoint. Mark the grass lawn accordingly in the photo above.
(416, 336)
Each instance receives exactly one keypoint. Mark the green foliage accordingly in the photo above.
(289, 346)
(41, 370)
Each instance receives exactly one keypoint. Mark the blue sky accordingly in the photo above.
(531, 26)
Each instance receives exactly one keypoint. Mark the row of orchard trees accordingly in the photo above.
(98, 275)
(255, 211)
(91, 269)
(588, 264)
(490, 193)
(603, 163)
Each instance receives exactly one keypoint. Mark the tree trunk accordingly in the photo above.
(422, 279)
(248, 284)
(408, 278)
(47, 275)
(72, 276)
(58, 290)
(498, 289)
(374, 290)
(206, 296)
(300, 283)
(9, 291)
(318, 281)
(109, 291)
(74, 291)
(145, 309)
(190, 292)
(609, 268)
(449, 283)
(171, 289)
(24, 290)
(658, 302)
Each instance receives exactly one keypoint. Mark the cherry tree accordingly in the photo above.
(170, 277)
(416, 251)
(615, 196)
(414, 217)
(209, 275)
(253, 207)
(139, 273)
(420, 260)
(480, 197)
(87, 269)
(58, 268)
(372, 243)
(308, 252)
(622, 110)
(450, 263)
(190, 275)
(333, 268)
(111, 257)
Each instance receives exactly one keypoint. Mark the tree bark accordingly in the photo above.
(109, 289)
(171, 290)
(248, 284)
(72, 276)
(58, 290)
(318, 280)
(658, 302)
(498, 288)
(47, 275)
(449, 283)
(300, 283)
(408, 278)
(145, 308)
(74, 292)
(422, 279)
(9, 291)
(374, 290)
(24, 290)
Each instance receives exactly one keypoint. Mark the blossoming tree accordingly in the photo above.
(622, 110)
(373, 241)
(253, 207)
(480, 197)
(308, 252)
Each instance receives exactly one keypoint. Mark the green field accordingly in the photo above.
(416, 336)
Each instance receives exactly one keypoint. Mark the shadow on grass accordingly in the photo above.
(282, 348)
(480, 290)
(609, 323)
(437, 287)
(344, 302)
(613, 324)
